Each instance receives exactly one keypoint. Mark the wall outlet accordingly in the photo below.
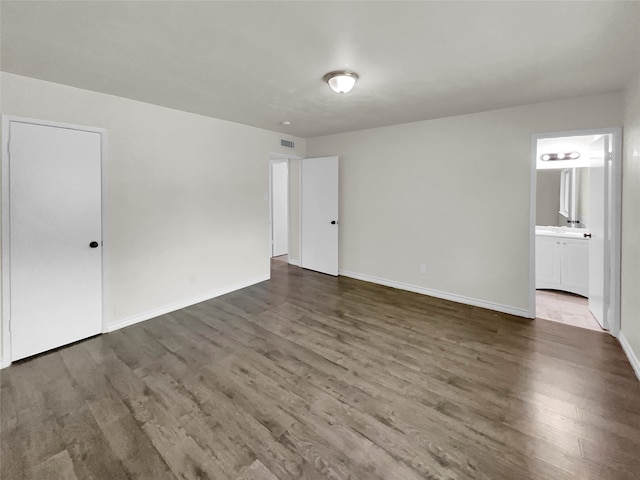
(423, 269)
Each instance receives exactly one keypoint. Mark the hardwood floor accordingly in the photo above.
(311, 376)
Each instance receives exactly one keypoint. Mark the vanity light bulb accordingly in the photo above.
(561, 156)
(574, 155)
(546, 157)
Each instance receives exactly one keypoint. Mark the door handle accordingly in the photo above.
(586, 235)
(93, 244)
(334, 222)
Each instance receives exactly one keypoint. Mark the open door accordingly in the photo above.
(319, 209)
(279, 209)
(599, 203)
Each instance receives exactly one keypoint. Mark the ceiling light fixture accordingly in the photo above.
(560, 156)
(286, 123)
(341, 81)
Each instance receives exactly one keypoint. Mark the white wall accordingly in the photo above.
(187, 201)
(630, 281)
(451, 193)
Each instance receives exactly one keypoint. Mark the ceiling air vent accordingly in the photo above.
(287, 143)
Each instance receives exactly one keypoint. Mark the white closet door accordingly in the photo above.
(55, 215)
(320, 214)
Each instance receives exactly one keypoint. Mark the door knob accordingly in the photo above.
(587, 235)
(93, 244)
(333, 222)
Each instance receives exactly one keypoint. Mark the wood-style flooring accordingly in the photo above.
(308, 376)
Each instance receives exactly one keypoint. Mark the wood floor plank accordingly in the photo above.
(309, 376)
(134, 449)
(93, 459)
(256, 471)
(55, 467)
(284, 463)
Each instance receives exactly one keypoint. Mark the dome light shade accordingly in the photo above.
(341, 81)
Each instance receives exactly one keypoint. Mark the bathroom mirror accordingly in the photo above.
(562, 197)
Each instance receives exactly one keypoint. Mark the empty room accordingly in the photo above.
(322, 240)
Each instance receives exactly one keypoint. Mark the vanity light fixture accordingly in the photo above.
(549, 157)
(341, 81)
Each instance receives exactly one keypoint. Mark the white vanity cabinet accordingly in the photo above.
(562, 264)
(547, 262)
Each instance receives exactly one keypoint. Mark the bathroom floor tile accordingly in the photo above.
(575, 308)
(565, 308)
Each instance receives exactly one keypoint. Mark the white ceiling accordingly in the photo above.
(260, 63)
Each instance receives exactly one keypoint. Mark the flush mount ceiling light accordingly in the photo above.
(341, 81)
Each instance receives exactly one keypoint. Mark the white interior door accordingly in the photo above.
(55, 272)
(598, 226)
(279, 209)
(319, 207)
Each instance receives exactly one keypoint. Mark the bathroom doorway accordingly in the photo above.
(575, 228)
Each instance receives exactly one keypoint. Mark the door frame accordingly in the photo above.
(272, 162)
(275, 158)
(5, 220)
(615, 219)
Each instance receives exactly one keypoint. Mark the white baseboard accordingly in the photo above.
(294, 262)
(633, 359)
(185, 303)
(438, 294)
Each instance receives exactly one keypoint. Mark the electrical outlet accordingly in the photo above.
(423, 269)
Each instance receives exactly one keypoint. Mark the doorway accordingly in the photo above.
(52, 235)
(575, 228)
(279, 209)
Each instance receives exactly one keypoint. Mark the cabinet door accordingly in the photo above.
(547, 262)
(574, 266)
